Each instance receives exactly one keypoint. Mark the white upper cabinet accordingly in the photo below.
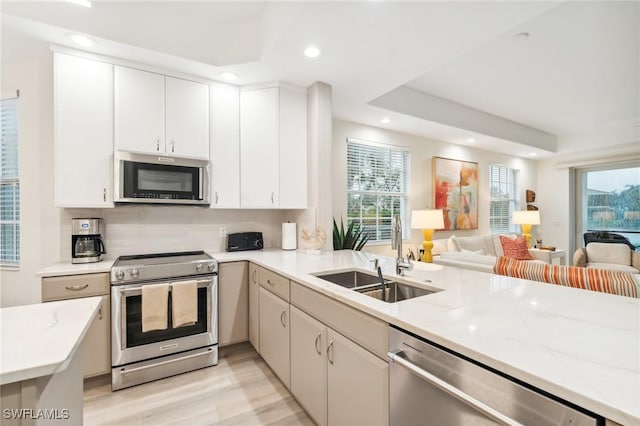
(273, 147)
(83, 132)
(225, 146)
(162, 115)
(187, 119)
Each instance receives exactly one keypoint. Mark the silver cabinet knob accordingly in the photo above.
(199, 267)
(134, 273)
(120, 275)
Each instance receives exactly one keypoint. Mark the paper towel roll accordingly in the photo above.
(289, 237)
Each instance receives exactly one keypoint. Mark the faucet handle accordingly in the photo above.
(376, 262)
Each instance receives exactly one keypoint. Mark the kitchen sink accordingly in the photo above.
(369, 284)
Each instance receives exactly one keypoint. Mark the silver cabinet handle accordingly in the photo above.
(317, 343)
(273, 198)
(253, 276)
(158, 144)
(330, 352)
(104, 193)
(283, 318)
(216, 197)
(76, 287)
(452, 390)
(270, 283)
(173, 145)
(100, 313)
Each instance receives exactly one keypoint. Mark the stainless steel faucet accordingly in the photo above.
(396, 243)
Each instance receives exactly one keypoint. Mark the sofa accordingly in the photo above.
(610, 256)
(477, 252)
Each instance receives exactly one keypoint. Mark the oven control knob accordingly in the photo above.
(211, 267)
(199, 267)
(120, 275)
(134, 273)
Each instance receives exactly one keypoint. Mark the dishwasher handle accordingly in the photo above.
(397, 357)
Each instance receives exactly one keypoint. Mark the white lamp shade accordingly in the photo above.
(427, 219)
(526, 217)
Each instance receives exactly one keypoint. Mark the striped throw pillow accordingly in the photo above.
(515, 248)
(606, 281)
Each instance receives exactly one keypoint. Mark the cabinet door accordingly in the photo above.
(96, 347)
(274, 334)
(139, 111)
(254, 307)
(187, 118)
(233, 285)
(309, 364)
(225, 146)
(83, 132)
(363, 401)
(293, 148)
(259, 148)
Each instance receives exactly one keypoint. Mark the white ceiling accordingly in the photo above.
(577, 72)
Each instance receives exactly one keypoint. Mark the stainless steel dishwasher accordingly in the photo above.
(430, 385)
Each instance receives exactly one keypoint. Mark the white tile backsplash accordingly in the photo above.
(136, 229)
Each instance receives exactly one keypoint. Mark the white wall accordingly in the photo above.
(420, 184)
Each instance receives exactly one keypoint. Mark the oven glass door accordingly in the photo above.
(161, 181)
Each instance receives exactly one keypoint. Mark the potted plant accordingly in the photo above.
(353, 238)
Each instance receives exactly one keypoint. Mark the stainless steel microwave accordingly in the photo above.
(143, 178)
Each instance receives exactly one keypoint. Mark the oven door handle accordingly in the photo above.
(158, 364)
(399, 359)
(201, 284)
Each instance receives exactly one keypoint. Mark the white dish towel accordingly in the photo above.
(155, 300)
(184, 296)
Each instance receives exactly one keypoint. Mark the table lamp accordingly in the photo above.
(526, 218)
(428, 221)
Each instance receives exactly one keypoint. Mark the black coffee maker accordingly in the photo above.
(86, 240)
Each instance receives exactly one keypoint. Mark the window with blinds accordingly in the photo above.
(9, 184)
(376, 187)
(502, 185)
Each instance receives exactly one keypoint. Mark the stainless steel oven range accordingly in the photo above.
(139, 357)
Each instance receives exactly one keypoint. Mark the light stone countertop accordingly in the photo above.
(41, 339)
(581, 346)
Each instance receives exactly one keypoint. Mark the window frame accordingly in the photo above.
(13, 180)
(512, 198)
(402, 196)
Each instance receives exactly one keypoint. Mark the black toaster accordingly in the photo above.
(245, 241)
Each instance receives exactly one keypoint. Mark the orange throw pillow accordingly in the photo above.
(515, 248)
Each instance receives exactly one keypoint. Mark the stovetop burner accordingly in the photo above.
(154, 266)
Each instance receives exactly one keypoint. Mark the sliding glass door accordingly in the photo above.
(608, 199)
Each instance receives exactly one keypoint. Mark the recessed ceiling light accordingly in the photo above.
(85, 3)
(385, 120)
(471, 140)
(80, 40)
(228, 76)
(312, 52)
(521, 36)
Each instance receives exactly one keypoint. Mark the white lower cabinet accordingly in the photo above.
(309, 364)
(254, 307)
(335, 380)
(274, 334)
(357, 384)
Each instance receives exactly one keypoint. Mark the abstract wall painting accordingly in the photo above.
(456, 192)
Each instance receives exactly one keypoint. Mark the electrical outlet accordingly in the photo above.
(223, 231)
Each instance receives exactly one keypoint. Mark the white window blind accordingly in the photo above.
(376, 187)
(9, 184)
(502, 185)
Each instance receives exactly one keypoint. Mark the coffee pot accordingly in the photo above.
(86, 240)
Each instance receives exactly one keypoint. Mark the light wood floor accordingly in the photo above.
(240, 390)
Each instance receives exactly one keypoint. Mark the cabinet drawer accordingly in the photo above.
(275, 283)
(73, 286)
(367, 331)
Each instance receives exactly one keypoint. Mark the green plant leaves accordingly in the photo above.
(353, 238)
